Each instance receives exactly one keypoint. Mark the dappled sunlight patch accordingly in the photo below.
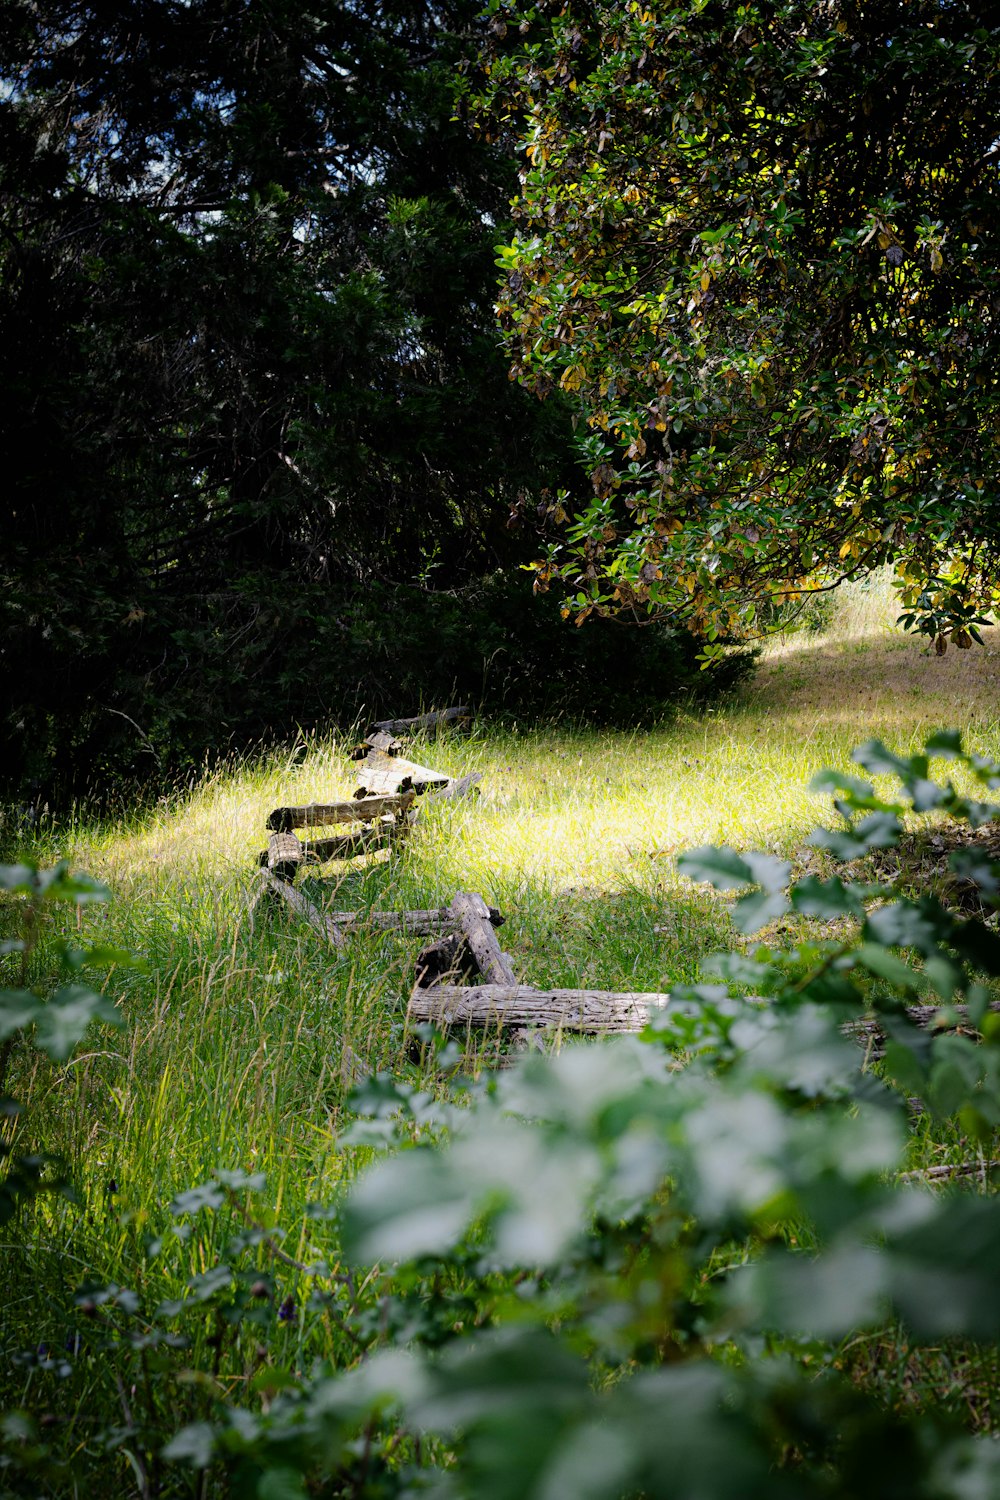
(237, 1033)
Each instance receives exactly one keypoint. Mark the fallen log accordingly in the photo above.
(352, 1067)
(520, 1005)
(377, 740)
(418, 922)
(472, 917)
(949, 1171)
(304, 908)
(345, 845)
(381, 775)
(320, 814)
(424, 721)
(456, 790)
(870, 1032)
(450, 960)
(283, 855)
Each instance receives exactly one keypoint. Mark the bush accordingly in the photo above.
(500, 646)
(224, 674)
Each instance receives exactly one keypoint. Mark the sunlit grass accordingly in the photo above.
(234, 1044)
(574, 837)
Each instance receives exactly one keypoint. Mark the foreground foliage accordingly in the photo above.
(756, 244)
(628, 1266)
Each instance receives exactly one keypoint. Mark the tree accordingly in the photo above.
(248, 361)
(757, 242)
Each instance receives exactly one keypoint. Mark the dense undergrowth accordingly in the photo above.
(319, 657)
(235, 1057)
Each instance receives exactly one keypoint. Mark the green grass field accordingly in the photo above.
(232, 1054)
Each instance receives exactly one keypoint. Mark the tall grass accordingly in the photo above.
(234, 1048)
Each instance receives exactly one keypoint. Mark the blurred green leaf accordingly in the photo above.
(721, 867)
(62, 1022)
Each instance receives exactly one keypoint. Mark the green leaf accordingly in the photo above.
(105, 956)
(18, 1009)
(194, 1444)
(208, 1284)
(720, 866)
(827, 899)
(838, 782)
(926, 795)
(771, 873)
(880, 830)
(978, 1000)
(281, 1484)
(978, 945)
(887, 966)
(977, 866)
(903, 1067)
(62, 1023)
(944, 976)
(943, 1277)
(880, 761)
(60, 884)
(839, 1292)
(804, 1050)
(751, 913)
(945, 743)
(240, 1181)
(193, 1200)
(908, 924)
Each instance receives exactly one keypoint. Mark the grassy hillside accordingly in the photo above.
(233, 1043)
(234, 1050)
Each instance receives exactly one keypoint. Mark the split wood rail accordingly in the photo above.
(381, 811)
(463, 978)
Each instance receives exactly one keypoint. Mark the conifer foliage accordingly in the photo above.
(248, 359)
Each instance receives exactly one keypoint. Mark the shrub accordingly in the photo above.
(213, 680)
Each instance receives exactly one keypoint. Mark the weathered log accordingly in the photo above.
(424, 721)
(377, 740)
(320, 814)
(519, 1005)
(472, 917)
(450, 958)
(416, 922)
(951, 1170)
(283, 855)
(525, 1040)
(456, 790)
(870, 1033)
(258, 894)
(347, 845)
(381, 775)
(352, 1067)
(304, 908)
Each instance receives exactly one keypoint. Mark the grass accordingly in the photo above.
(232, 1052)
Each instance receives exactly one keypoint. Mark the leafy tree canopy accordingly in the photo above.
(758, 242)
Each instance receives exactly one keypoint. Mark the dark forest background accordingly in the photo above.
(264, 464)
